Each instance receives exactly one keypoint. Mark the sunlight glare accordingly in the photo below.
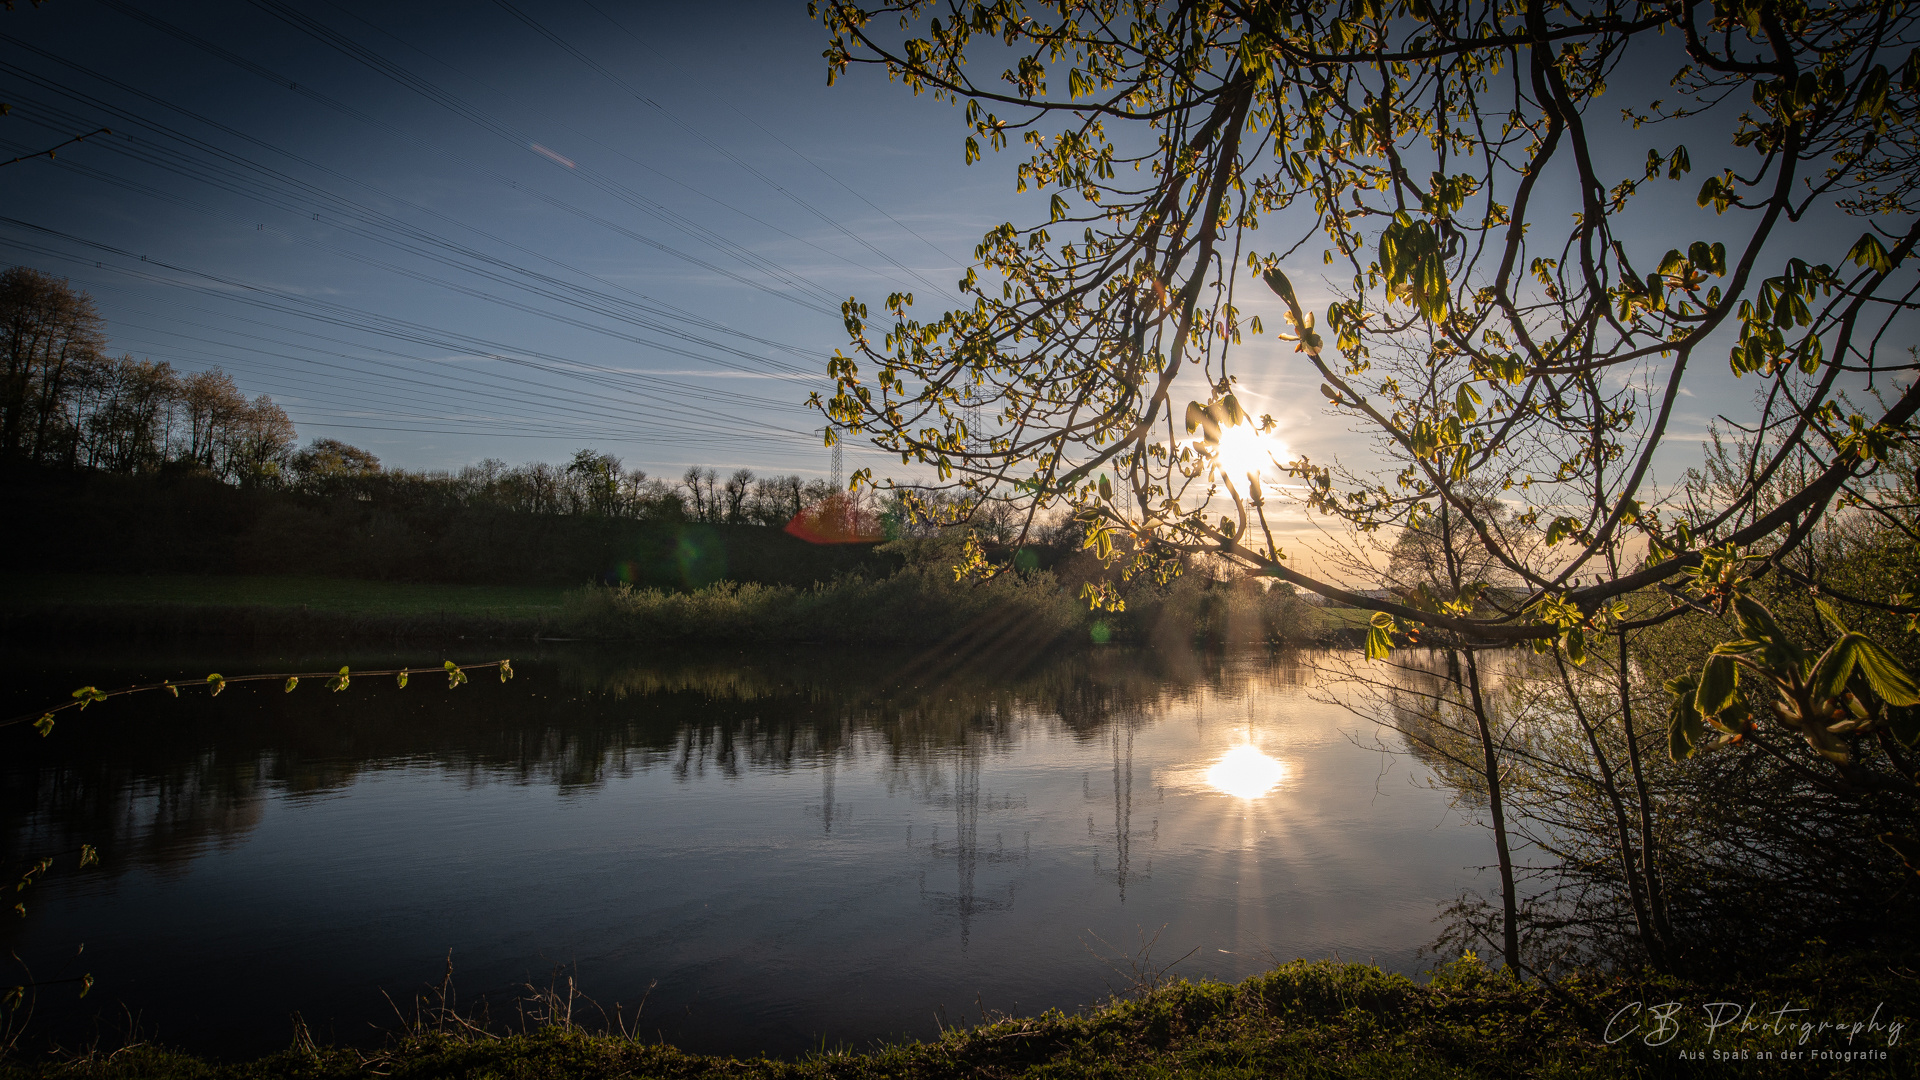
(1244, 450)
(1246, 773)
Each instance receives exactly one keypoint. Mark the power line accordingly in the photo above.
(336, 314)
(596, 66)
(824, 302)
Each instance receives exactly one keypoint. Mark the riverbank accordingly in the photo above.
(1304, 1019)
(919, 605)
(89, 607)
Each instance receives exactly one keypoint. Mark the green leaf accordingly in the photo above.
(1867, 252)
(1872, 100)
(1380, 636)
(401, 679)
(1576, 642)
(1379, 643)
(1887, 675)
(1830, 672)
(1464, 400)
(1278, 282)
(292, 681)
(1684, 731)
(215, 684)
(1734, 719)
(1755, 621)
(1832, 616)
(1234, 413)
(1718, 680)
(44, 725)
(506, 670)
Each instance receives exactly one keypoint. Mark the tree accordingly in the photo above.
(1524, 287)
(50, 336)
(596, 483)
(129, 421)
(737, 488)
(328, 464)
(1491, 334)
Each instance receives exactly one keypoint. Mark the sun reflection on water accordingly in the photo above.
(1246, 773)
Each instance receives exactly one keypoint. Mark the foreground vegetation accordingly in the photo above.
(1300, 1020)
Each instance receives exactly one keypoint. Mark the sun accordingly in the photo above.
(1243, 449)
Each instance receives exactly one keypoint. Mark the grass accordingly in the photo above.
(1301, 1020)
(1344, 618)
(269, 590)
(91, 607)
(919, 604)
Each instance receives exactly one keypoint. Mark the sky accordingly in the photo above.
(508, 232)
(516, 231)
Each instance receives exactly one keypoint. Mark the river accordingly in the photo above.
(743, 851)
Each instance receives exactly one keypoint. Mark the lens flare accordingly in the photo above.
(1246, 773)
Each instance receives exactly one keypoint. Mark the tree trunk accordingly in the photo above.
(1509, 901)
(1629, 865)
(1649, 869)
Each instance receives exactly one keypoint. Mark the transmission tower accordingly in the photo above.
(970, 410)
(838, 463)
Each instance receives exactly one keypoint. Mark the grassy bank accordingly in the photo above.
(1300, 1020)
(330, 595)
(917, 605)
(274, 607)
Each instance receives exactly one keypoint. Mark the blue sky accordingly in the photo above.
(451, 236)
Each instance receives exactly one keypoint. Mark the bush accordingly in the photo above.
(917, 605)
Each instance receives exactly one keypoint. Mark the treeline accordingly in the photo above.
(67, 404)
(64, 401)
(590, 484)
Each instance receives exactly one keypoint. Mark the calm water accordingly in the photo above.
(772, 849)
